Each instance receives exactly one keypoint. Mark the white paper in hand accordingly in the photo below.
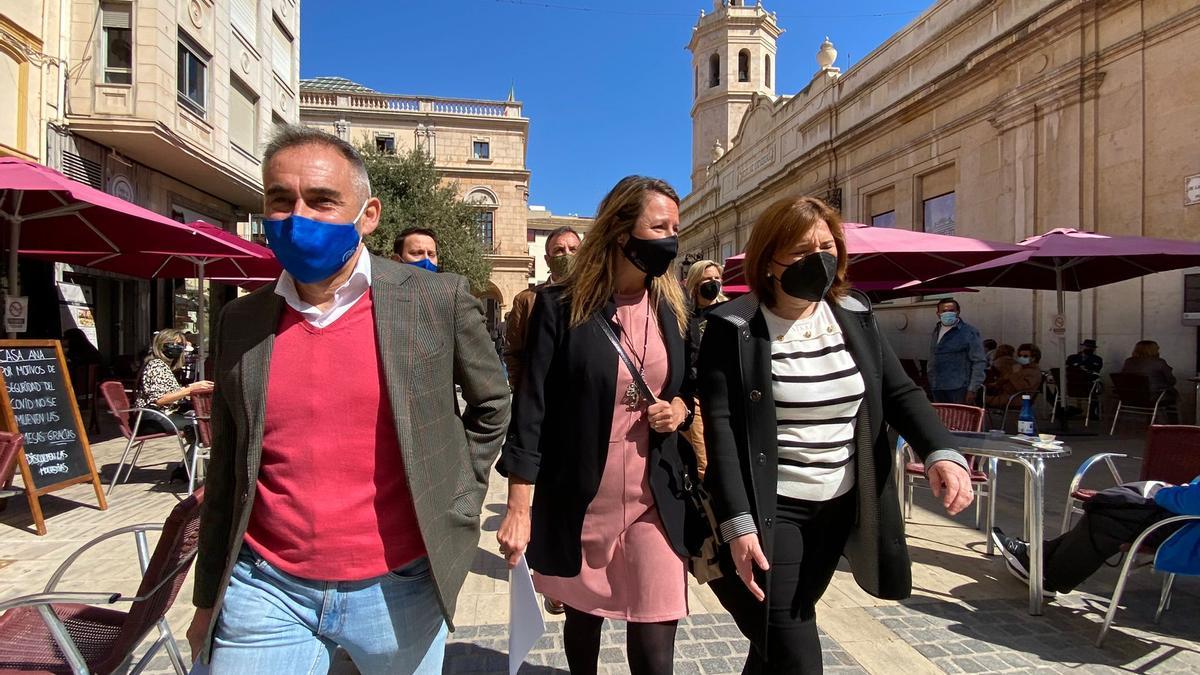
(525, 622)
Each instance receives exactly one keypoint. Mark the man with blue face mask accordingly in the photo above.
(342, 500)
(957, 361)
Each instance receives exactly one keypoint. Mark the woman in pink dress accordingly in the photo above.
(605, 533)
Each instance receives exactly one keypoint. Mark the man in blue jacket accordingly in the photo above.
(1114, 517)
(957, 361)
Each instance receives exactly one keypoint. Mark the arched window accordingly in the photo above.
(484, 200)
(714, 70)
(767, 72)
(744, 65)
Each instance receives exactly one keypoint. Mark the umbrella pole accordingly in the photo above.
(14, 245)
(203, 327)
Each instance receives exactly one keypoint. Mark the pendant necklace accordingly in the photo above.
(633, 397)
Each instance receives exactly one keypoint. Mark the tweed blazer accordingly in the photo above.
(740, 430)
(431, 336)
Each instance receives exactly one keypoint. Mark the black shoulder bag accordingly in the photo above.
(701, 524)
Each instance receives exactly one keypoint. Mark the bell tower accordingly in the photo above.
(733, 58)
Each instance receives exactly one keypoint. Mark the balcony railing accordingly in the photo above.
(389, 102)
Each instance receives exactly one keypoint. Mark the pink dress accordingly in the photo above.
(629, 570)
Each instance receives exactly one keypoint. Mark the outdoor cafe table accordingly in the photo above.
(1003, 447)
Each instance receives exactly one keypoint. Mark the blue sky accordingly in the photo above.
(606, 85)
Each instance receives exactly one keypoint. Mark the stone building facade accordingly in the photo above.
(168, 104)
(478, 145)
(997, 120)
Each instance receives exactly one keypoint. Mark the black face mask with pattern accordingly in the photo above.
(652, 256)
(810, 277)
(173, 351)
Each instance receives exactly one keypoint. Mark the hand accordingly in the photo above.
(747, 553)
(952, 483)
(203, 386)
(666, 417)
(970, 397)
(198, 631)
(513, 536)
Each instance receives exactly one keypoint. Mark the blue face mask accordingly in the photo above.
(425, 264)
(1024, 360)
(948, 318)
(312, 250)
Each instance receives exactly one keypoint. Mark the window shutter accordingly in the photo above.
(281, 53)
(242, 118)
(245, 18)
(116, 16)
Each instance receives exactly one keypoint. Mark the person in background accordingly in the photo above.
(957, 362)
(799, 390)
(1023, 377)
(1004, 360)
(605, 533)
(1146, 360)
(1111, 520)
(561, 246)
(703, 285)
(1087, 359)
(989, 350)
(417, 246)
(158, 387)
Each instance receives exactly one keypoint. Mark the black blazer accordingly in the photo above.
(740, 433)
(562, 418)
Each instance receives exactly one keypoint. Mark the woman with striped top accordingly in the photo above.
(797, 388)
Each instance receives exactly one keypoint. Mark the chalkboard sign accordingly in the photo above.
(38, 401)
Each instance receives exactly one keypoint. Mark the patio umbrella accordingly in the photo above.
(53, 217)
(244, 262)
(894, 257)
(1072, 260)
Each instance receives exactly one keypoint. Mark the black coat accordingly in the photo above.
(562, 418)
(740, 432)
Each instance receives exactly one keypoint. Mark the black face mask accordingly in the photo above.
(173, 350)
(652, 256)
(811, 277)
(710, 289)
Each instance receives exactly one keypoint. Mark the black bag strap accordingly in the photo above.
(638, 382)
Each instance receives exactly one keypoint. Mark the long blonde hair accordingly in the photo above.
(695, 277)
(592, 279)
(163, 338)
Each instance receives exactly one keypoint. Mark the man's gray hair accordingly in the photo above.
(295, 135)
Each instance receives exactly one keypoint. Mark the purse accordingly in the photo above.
(700, 525)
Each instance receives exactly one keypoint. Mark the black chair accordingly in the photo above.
(1134, 396)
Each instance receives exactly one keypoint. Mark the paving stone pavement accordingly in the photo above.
(998, 635)
(966, 614)
(706, 644)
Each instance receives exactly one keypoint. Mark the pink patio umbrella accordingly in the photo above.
(887, 258)
(1072, 260)
(53, 217)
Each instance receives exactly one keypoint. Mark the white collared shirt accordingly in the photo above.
(344, 297)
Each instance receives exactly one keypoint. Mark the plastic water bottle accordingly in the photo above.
(1026, 425)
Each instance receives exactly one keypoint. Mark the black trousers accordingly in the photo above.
(1115, 517)
(809, 538)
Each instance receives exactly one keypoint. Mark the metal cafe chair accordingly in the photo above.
(119, 407)
(1135, 397)
(58, 631)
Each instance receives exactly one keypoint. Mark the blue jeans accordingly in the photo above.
(950, 395)
(273, 622)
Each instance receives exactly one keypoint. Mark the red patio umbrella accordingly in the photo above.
(1066, 259)
(888, 257)
(245, 262)
(53, 217)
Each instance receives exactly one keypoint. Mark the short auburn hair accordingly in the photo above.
(780, 228)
